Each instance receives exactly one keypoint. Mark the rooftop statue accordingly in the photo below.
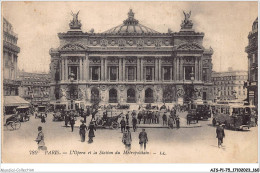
(186, 23)
(75, 23)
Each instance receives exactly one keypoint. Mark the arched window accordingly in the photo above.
(112, 95)
(131, 96)
(149, 95)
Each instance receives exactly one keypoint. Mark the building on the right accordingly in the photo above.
(229, 86)
(251, 50)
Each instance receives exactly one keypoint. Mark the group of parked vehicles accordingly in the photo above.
(22, 114)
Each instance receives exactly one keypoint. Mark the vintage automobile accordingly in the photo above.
(234, 117)
(41, 112)
(192, 116)
(203, 111)
(23, 112)
(57, 116)
(108, 122)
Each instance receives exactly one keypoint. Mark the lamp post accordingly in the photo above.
(192, 89)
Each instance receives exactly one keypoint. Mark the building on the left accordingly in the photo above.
(10, 73)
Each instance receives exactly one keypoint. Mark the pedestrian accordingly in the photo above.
(139, 116)
(220, 134)
(85, 116)
(188, 119)
(123, 124)
(214, 121)
(67, 118)
(40, 139)
(164, 117)
(43, 118)
(91, 133)
(127, 117)
(157, 117)
(82, 131)
(170, 122)
(127, 138)
(143, 139)
(150, 117)
(177, 122)
(72, 122)
(145, 117)
(153, 118)
(134, 122)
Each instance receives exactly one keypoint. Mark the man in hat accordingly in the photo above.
(143, 139)
(164, 117)
(72, 122)
(91, 133)
(220, 134)
(123, 124)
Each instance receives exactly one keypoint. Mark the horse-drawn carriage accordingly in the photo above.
(23, 113)
(108, 122)
(13, 122)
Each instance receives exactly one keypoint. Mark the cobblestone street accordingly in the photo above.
(197, 145)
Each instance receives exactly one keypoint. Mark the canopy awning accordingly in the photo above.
(15, 101)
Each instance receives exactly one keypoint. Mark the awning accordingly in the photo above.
(15, 101)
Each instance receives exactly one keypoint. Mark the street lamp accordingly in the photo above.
(192, 85)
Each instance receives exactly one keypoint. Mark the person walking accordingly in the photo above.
(67, 118)
(170, 122)
(123, 124)
(72, 122)
(82, 131)
(177, 122)
(134, 122)
(40, 139)
(127, 138)
(139, 116)
(164, 117)
(220, 134)
(143, 139)
(188, 119)
(127, 117)
(91, 133)
(43, 118)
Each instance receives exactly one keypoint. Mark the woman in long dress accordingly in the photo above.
(91, 133)
(82, 131)
(127, 138)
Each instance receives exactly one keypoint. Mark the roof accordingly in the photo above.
(15, 101)
(130, 25)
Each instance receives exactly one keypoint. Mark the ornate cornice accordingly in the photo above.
(11, 47)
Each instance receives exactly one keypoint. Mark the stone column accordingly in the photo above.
(102, 68)
(62, 68)
(160, 68)
(138, 68)
(181, 68)
(156, 68)
(200, 68)
(196, 68)
(86, 69)
(120, 69)
(66, 68)
(178, 68)
(105, 69)
(142, 68)
(123, 79)
(80, 69)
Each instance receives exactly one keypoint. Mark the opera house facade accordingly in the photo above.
(130, 64)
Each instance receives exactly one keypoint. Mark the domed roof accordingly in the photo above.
(130, 25)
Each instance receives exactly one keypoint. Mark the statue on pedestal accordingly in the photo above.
(75, 23)
(187, 23)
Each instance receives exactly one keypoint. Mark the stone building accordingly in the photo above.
(35, 87)
(130, 63)
(252, 51)
(229, 85)
(10, 57)
(10, 82)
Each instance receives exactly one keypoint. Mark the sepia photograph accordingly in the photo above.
(129, 82)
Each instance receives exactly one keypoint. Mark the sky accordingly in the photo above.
(226, 25)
